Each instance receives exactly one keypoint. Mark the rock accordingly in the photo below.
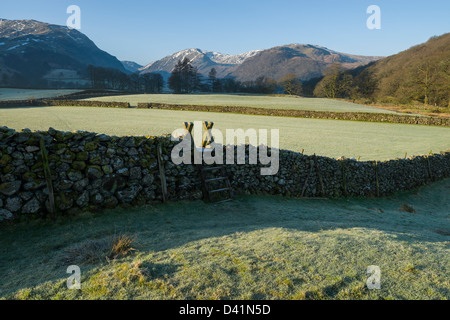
(10, 188)
(1, 203)
(110, 152)
(31, 207)
(64, 185)
(94, 172)
(117, 163)
(103, 138)
(26, 196)
(81, 185)
(124, 172)
(107, 169)
(34, 185)
(64, 167)
(79, 165)
(83, 200)
(111, 202)
(5, 215)
(74, 175)
(97, 199)
(8, 178)
(13, 204)
(135, 173)
(31, 149)
(133, 152)
(129, 194)
(82, 156)
(91, 146)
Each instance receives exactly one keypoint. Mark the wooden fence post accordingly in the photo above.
(162, 174)
(48, 179)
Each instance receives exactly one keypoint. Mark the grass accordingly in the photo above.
(256, 101)
(256, 247)
(353, 139)
(25, 94)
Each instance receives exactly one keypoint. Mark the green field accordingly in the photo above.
(255, 101)
(256, 247)
(370, 141)
(25, 94)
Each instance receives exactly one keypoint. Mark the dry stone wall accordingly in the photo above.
(92, 171)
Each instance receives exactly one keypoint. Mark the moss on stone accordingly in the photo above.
(82, 156)
(79, 165)
(91, 146)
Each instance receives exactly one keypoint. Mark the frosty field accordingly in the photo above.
(25, 94)
(255, 101)
(333, 138)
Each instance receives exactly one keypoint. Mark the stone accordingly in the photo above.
(148, 180)
(10, 188)
(74, 175)
(26, 196)
(110, 152)
(117, 163)
(133, 152)
(97, 199)
(31, 207)
(124, 172)
(103, 138)
(79, 165)
(64, 185)
(91, 146)
(81, 184)
(83, 200)
(129, 194)
(31, 149)
(107, 169)
(111, 202)
(5, 215)
(34, 185)
(13, 204)
(135, 173)
(94, 172)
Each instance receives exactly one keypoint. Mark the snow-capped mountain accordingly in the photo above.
(35, 52)
(306, 61)
(204, 60)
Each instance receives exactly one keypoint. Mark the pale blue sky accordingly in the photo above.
(144, 31)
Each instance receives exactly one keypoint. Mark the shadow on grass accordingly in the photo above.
(34, 249)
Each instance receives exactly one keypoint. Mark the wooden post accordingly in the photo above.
(307, 178)
(429, 169)
(48, 179)
(319, 175)
(376, 179)
(207, 136)
(162, 174)
(344, 178)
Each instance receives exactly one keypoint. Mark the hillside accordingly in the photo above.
(38, 54)
(419, 73)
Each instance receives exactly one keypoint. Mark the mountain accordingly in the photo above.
(306, 61)
(37, 53)
(204, 60)
(131, 66)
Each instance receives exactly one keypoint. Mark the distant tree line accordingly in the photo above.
(108, 78)
(186, 79)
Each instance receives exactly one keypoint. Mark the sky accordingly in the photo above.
(146, 31)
